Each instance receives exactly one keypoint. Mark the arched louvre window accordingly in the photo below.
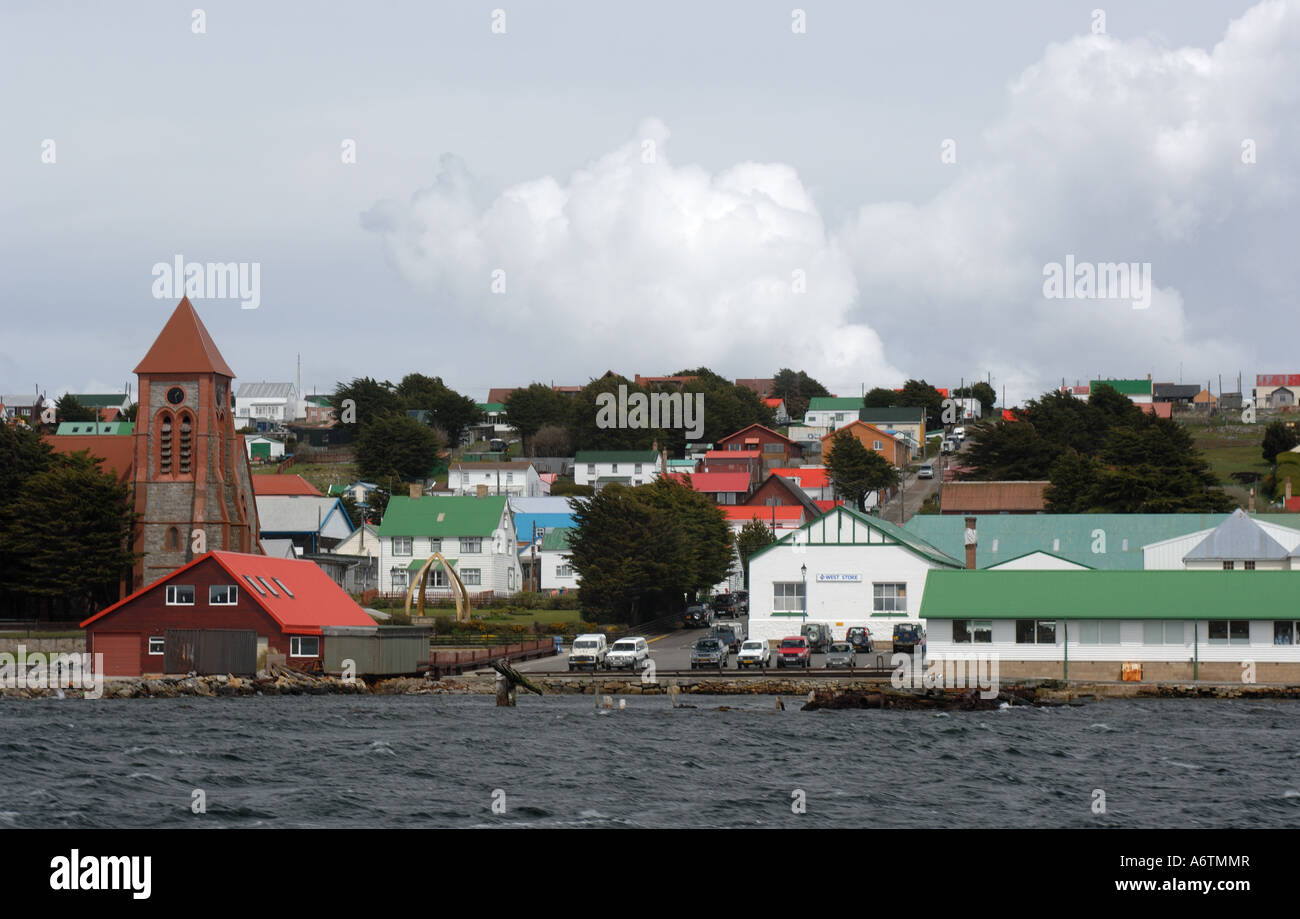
(165, 443)
(186, 442)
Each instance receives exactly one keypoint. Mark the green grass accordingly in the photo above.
(321, 475)
(522, 617)
(1229, 449)
(75, 633)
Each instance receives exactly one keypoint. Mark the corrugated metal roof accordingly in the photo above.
(834, 403)
(102, 400)
(460, 515)
(283, 485)
(556, 540)
(117, 452)
(1104, 541)
(1238, 537)
(1127, 387)
(265, 391)
(892, 531)
(714, 482)
(297, 513)
(1109, 595)
(879, 416)
(991, 497)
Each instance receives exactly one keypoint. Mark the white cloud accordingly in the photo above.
(641, 266)
(1111, 150)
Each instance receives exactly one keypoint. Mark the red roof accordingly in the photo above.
(316, 600)
(731, 454)
(808, 476)
(184, 346)
(1159, 409)
(773, 403)
(284, 485)
(117, 450)
(828, 505)
(776, 434)
(785, 513)
(714, 482)
(1009, 414)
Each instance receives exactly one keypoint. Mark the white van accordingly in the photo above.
(588, 651)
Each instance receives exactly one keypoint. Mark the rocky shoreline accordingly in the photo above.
(821, 694)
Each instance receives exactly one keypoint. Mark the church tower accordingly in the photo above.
(193, 489)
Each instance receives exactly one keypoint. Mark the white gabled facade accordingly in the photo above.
(860, 571)
(484, 555)
(628, 467)
(516, 479)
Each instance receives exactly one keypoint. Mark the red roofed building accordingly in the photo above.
(290, 485)
(749, 462)
(814, 480)
(116, 450)
(775, 449)
(722, 487)
(284, 603)
(780, 517)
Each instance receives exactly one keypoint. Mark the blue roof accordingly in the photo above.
(1069, 536)
(525, 522)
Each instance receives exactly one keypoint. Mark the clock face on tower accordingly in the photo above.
(175, 395)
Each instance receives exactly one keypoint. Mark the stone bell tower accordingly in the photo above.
(193, 489)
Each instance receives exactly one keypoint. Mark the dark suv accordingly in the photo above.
(908, 637)
(725, 605)
(698, 616)
(860, 637)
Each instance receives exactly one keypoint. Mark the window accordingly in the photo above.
(254, 585)
(435, 545)
(637, 469)
(1228, 566)
(1229, 632)
(173, 542)
(399, 578)
(1163, 633)
(613, 467)
(287, 592)
(304, 646)
(223, 595)
(1286, 633)
(1035, 631)
(180, 594)
(876, 445)
(773, 448)
(890, 598)
(510, 478)
(1248, 565)
(402, 545)
(967, 631)
(1094, 632)
(591, 469)
(472, 576)
(564, 571)
(156, 645)
(787, 597)
(471, 545)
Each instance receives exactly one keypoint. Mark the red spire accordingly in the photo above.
(184, 346)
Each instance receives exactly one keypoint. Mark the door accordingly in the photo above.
(121, 653)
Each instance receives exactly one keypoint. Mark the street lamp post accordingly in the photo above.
(803, 571)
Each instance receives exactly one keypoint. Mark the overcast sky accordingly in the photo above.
(658, 185)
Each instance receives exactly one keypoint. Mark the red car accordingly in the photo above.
(794, 652)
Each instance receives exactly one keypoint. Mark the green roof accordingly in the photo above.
(95, 427)
(1069, 536)
(1109, 595)
(417, 563)
(491, 406)
(834, 403)
(318, 400)
(101, 400)
(1127, 387)
(461, 515)
(890, 533)
(616, 456)
(556, 539)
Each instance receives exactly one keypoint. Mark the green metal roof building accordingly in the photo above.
(1125, 387)
(95, 427)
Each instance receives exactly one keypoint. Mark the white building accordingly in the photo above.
(1238, 543)
(844, 569)
(475, 535)
(626, 467)
(516, 478)
(556, 569)
(271, 402)
(263, 448)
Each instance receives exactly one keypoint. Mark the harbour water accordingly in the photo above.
(458, 761)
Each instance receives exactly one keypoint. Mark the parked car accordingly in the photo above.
(818, 635)
(754, 653)
(698, 616)
(841, 654)
(725, 605)
(925, 472)
(588, 651)
(948, 446)
(733, 633)
(742, 602)
(908, 636)
(628, 653)
(794, 652)
(959, 433)
(860, 637)
(710, 652)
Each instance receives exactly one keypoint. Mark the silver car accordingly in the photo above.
(841, 655)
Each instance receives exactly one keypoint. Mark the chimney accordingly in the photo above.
(416, 491)
(1252, 499)
(971, 543)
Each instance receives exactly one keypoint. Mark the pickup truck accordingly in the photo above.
(794, 652)
(588, 651)
(628, 653)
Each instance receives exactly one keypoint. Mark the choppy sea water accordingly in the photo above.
(458, 761)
